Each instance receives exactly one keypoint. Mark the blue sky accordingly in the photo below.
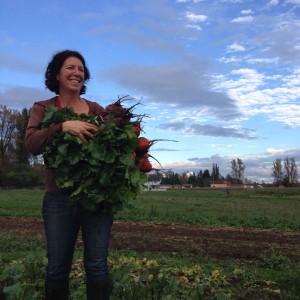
(222, 77)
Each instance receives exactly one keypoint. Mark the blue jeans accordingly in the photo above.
(63, 220)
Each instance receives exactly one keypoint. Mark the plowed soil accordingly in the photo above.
(184, 240)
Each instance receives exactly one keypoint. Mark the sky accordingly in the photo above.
(221, 77)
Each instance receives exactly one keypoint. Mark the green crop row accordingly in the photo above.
(135, 277)
(257, 208)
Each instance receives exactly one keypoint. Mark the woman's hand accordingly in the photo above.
(80, 128)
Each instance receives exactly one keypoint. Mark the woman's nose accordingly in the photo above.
(76, 71)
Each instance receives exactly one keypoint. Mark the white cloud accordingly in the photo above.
(297, 2)
(235, 47)
(194, 26)
(247, 19)
(262, 60)
(288, 114)
(247, 12)
(256, 94)
(275, 151)
(195, 18)
(272, 3)
(228, 60)
(248, 80)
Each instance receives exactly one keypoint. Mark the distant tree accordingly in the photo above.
(294, 172)
(215, 174)
(193, 180)
(290, 171)
(184, 178)
(234, 169)
(22, 154)
(175, 179)
(153, 177)
(238, 168)
(166, 179)
(229, 178)
(7, 133)
(171, 178)
(277, 172)
(248, 181)
(200, 178)
(159, 175)
(206, 177)
(24, 176)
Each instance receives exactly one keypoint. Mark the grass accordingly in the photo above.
(13, 247)
(259, 208)
(21, 203)
(247, 208)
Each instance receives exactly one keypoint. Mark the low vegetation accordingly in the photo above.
(166, 276)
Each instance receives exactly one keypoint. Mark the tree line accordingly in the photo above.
(284, 173)
(19, 169)
(204, 178)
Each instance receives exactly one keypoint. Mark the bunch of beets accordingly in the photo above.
(123, 116)
(107, 172)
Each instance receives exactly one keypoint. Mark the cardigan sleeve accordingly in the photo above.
(36, 139)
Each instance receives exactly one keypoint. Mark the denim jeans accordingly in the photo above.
(63, 220)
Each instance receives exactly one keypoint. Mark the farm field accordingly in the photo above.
(203, 244)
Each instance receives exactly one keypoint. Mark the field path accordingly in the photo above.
(183, 240)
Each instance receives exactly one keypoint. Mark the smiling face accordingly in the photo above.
(71, 76)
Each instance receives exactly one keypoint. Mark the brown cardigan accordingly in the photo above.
(37, 139)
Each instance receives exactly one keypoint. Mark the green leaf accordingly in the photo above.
(127, 160)
(62, 149)
(67, 184)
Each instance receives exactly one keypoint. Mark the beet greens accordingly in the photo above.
(101, 174)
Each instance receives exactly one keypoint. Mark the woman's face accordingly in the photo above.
(71, 75)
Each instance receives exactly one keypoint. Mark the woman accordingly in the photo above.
(66, 76)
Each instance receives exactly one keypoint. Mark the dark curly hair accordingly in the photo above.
(55, 65)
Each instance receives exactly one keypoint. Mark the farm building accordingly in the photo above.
(227, 184)
(150, 185)
(219, 184)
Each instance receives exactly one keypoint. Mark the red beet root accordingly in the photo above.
(145, 165)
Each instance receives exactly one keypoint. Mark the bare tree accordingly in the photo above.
(238, 168)
(277, 171)
(22, 154)
(294, 173)
(290, 170)
(234, 169)
(7, 132)
(184, 178)
(241, 169)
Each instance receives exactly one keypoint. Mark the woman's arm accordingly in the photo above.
(36, 139)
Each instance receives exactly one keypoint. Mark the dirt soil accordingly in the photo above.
(183, 240)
